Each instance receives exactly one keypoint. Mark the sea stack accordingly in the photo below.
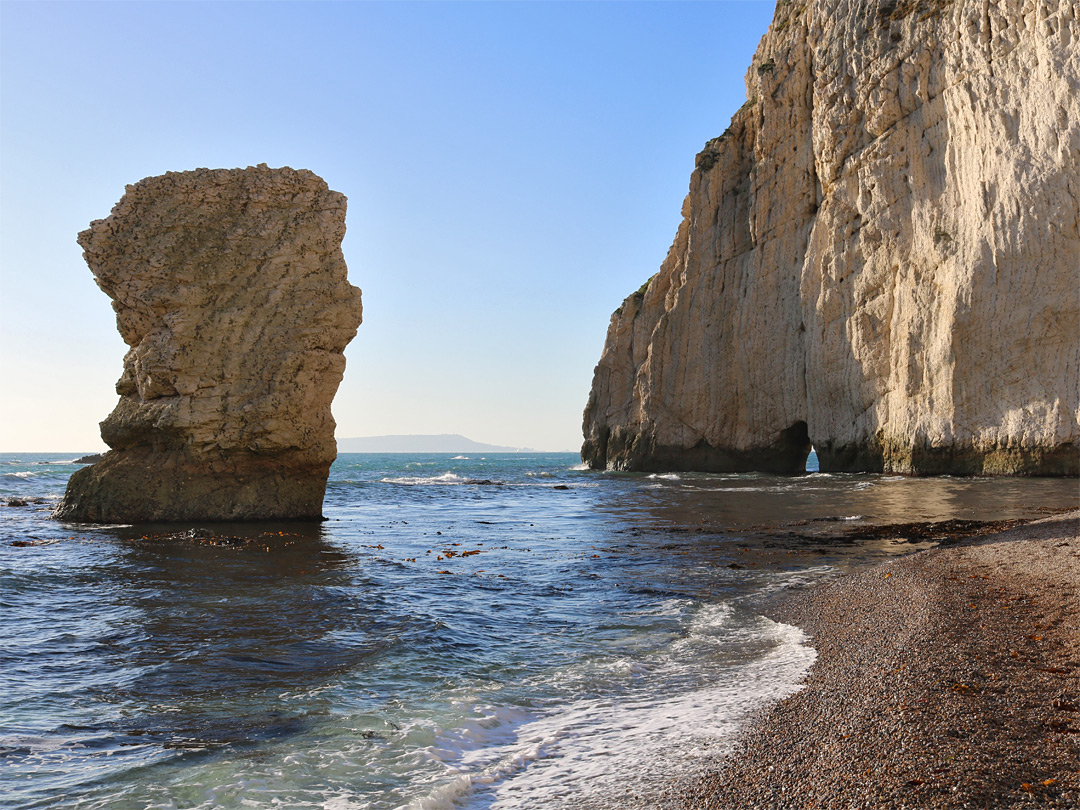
(230, 287)
(879, 257)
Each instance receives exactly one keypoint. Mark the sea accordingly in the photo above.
(462, 631)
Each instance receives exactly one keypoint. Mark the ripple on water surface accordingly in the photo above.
(500, 632)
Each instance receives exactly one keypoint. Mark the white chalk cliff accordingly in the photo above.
(880, 256)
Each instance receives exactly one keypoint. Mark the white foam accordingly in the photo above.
(736, 489)
(446, 479)
(444, 797)
(797, 579)
(343, 803)
(588, 750)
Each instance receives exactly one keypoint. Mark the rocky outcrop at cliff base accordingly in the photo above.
(231, 290)
(880, 256)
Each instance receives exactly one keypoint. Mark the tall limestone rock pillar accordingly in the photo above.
(231, 290)
(880, 256)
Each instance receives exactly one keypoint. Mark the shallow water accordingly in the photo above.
(501, 632)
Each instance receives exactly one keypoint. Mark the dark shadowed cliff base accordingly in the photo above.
(901, 456)
(629, 450)
(156, 485)
(949, 678)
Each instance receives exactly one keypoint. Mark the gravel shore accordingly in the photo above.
(947, 678)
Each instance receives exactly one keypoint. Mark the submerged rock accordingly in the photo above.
(879, 257)
(231, 290)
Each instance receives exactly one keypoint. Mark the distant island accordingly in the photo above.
(442, 443)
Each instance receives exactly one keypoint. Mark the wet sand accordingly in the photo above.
(947, 678)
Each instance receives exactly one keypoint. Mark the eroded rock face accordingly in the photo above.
(231, 290)
(880, 256)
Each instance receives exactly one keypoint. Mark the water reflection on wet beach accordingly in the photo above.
(742, 502)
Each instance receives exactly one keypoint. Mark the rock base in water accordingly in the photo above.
(144, 486)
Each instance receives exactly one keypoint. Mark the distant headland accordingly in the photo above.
(440, 443)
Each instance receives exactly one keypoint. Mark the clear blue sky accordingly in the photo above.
(513, 170)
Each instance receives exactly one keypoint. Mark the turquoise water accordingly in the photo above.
(502, 632)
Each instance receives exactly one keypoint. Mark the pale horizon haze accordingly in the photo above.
(513, 170)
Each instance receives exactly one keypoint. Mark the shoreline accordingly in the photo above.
(946, 678)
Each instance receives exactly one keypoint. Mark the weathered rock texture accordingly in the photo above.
(230, 288)
(880, 256)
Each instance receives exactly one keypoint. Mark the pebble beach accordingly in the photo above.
(949, 678)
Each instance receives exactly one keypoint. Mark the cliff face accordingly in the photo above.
(230, 288)
(880, 256)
